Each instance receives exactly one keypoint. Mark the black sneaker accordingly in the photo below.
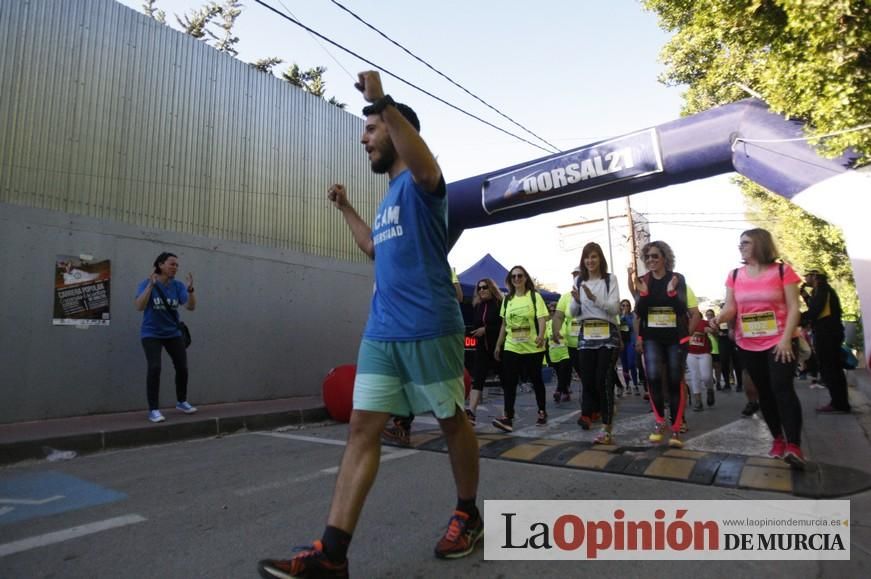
(471, 417)
(504, 424)
(710, 400)
(542, 418)
(750, 409)
(310, 562)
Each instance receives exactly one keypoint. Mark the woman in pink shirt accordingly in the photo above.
(764, 296)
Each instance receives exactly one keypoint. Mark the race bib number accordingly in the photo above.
(520, 334)
(663, 317)
(596, 330)
(576, 327)
(697, 340)
(759, 324)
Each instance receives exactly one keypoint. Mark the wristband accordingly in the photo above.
(190, 289)
(379, 105)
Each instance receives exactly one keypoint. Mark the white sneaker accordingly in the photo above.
(186, 407)
(155, 416)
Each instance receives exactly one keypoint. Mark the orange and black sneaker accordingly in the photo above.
(310, 562)
(461, 537)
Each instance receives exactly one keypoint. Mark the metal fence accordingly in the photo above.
(107, 113)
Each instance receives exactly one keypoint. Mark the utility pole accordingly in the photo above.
(632, 249)
(608, 230)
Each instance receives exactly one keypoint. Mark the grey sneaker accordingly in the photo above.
(155, 416)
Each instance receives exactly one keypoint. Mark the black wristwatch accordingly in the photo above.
(190, 289)
(379, 105)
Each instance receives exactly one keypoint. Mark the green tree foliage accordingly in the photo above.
(226, 42)
(807, 242)
(151, 11)
(196, 22)
(311, 81)
(809, 60)
(266, 64)
(197, 25)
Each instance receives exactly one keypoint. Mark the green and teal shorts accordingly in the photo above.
(416, 377)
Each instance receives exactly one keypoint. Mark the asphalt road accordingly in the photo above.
(212, 508)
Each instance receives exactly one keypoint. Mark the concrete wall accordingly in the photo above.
(269, 323)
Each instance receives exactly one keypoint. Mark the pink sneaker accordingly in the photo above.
(778, 448)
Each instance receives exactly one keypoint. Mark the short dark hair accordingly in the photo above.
(405, 110)
(161, 259)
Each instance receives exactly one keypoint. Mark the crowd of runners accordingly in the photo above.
(663, 347)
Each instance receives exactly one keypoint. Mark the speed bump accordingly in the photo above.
(818, 480)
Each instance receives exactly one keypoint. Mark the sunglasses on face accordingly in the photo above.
(517, 276)
(652, 256)
(482, 288)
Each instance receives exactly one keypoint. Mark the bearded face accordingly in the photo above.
(385, 157)
(379, 147)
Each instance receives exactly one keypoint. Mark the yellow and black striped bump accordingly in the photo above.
(818, 480)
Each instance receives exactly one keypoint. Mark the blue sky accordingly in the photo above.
(572, 72)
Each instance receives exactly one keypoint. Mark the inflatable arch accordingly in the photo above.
(745, 137)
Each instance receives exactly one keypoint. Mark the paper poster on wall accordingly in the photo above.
(81, 291)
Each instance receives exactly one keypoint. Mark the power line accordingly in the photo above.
(444, 76)
(397, 77)
(808, 138)
(324, 48)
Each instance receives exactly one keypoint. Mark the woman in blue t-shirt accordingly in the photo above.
(158, 298)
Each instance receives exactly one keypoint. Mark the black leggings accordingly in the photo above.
(597, 381)
(780, 405)
(563, 375)
(513, 366)
(484, 361)
(176, 349)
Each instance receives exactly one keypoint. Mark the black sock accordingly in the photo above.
(336, 543)
(468, 506)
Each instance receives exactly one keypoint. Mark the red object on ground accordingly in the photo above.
(338, 392)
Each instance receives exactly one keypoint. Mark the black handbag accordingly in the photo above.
(182, 327)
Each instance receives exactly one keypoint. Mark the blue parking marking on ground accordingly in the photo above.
(41, 494)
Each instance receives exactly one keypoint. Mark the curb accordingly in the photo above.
(13, 452)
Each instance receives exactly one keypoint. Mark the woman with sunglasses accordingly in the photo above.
(762, 297)
(665, 315)
(486, 320)
(597, 302)
(523, 336)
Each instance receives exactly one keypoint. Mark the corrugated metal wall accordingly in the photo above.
(107, 113)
